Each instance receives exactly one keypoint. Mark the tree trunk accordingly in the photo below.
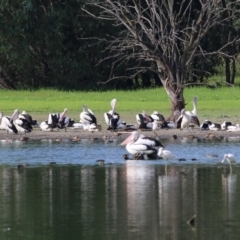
(233, 71)
(177, 102)
(227, 71)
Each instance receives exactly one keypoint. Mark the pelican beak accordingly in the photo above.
(113, 104)
(15, 115)
(63, 114)
(127, 140)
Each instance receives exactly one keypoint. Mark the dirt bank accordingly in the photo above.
(162, 134)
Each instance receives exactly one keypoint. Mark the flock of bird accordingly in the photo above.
(136, 144)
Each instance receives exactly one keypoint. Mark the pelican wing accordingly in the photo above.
(107, 117)
(141, 147)
(87, 117)
(157, 116)
(149, 141)
(179, 121)
(194, 120)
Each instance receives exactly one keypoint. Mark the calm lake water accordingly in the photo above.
(78, 199)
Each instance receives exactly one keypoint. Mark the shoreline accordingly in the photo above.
(105, 135)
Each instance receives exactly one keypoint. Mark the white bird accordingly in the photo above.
(87, 116)
(186, 118)
(165, 154)
(138, 144)
(111, 117)
(230, 158)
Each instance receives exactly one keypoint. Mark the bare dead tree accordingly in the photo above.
(166, 33)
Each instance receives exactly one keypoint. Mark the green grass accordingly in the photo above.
(211, 102)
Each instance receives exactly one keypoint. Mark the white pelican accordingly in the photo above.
(53, 120)
(62, 116)
(7, 123)
(158, 117)
(194, 111)
(66, 122)
(225, 125)
(230, 158)
(87, 116)
(137, 145)
(185, 119)
(144, 121)
(215, 127)
(21, 123)
(111, 117)
(165, 154)
(63, 121)
(51, 123)
(233, 128)
(28, 117)
(205, 125)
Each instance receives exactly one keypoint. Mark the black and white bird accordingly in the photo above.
(144, 120)
(29, 118)
(138, 144)
(112, 118)
(186, 118)
(205, 125)
(64, 121)
(51, 123)
(15, 124)
(209, 125)
(158, 117)
(225, 125)
(87, 116)
(215, 127)
(7, 123)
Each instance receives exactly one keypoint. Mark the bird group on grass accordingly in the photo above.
(140, 146)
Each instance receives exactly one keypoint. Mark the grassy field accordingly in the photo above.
(212, 103)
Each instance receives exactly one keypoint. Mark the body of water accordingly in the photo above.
(77, 198)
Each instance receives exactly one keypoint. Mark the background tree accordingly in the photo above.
(41, 45)
(165, 34)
